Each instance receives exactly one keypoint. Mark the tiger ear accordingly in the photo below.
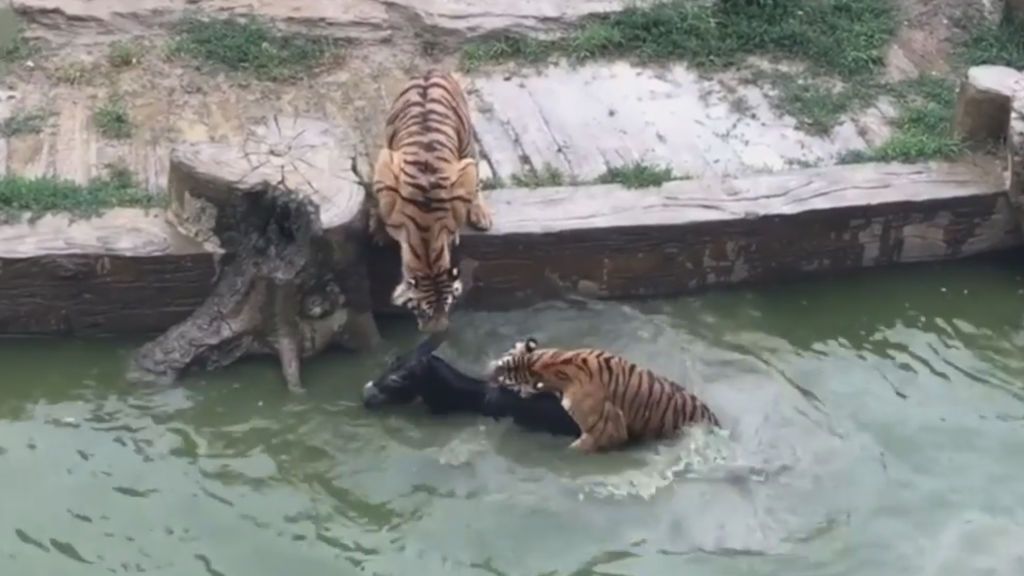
(531, 344)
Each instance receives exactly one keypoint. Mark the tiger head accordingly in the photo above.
(429, 297)
(515, 368)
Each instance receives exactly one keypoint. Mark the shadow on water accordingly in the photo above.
(866, 419)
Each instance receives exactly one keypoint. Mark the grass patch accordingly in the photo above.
(548, 175)
(637, 175)
(998, 44)
(124, 54)
(113, 121)
(30, 122)
(924, 127)
(846, 38)
(73, 73)
(249, 46)
(38, 196)
(14, 47)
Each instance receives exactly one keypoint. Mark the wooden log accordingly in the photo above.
(288, 212)
(1013, 11)
(983, 105)
(1015, 155)
(609, 242)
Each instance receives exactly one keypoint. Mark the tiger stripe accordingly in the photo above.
(426, 188)
(595, 385)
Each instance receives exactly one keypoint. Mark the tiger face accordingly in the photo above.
(429, 297)
(513, 368)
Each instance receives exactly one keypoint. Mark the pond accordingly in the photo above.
(876, 426)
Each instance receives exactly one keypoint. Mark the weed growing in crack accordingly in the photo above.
(113, 121)
(124, 54)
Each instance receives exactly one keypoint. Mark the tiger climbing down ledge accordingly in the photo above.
(427, 189)
(613, 400)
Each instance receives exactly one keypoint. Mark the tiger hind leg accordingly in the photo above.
(467, 185)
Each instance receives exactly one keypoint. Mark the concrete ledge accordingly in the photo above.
(605, 242)
(125, 271)
(130, 272)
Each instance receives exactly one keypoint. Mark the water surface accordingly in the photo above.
(876, 427)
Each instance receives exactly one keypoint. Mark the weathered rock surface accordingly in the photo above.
(361, 19)
(584, 120)
(983, 105)
(288, 212)
(609, 242)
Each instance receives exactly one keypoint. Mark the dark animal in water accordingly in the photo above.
(422, 375)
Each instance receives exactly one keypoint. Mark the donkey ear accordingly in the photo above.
(531, 344)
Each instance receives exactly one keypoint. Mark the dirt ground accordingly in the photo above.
(170, 100)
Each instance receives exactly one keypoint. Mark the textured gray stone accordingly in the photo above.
(586, 119)
(364, 19)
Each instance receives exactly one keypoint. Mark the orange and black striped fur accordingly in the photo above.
(613, 400)
(427, 188)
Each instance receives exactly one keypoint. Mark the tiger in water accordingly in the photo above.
(613, 400)
(427, 188)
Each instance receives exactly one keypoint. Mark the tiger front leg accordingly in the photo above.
(467, 185)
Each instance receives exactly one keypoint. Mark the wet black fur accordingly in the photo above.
(445, 390)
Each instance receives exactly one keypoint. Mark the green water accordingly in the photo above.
(877, 428)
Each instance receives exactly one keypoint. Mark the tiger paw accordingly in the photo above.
(584, 443)
(480, 218)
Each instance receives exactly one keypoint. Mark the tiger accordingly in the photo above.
(427, 188)
(613, 400)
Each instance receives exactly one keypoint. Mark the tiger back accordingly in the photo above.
(427, 188)
(613, 400)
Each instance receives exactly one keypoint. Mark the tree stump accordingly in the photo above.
(286, 212)
(983, 105)
(1015, 154)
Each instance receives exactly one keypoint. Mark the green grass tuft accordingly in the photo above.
(637, 175)
(113, 121)
(548, 175)
(250, 46)
(38, 196)
(31, 122)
